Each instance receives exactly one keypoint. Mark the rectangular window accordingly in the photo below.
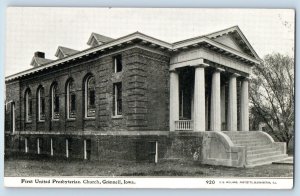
(117, 99)
(153, 148)
(118, 63)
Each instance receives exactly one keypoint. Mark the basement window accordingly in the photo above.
(147, 151)
(26, 145)
(38, 145)
(153, 151)
(51, 147)
(67, 148)
(86, 149)
(118, 63)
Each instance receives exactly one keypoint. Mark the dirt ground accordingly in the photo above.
(49, 167)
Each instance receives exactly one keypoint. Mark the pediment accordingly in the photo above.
(235, 39)
(229, 41)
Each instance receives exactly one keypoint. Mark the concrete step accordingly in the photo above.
(240, 133)
(260, 155)
(256, 144)
(242, 137)
(260, 150)
(249, 142)
(247, 139)
(265, 160)
(286, 161)
(258, 147)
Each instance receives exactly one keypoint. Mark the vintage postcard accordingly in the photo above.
(149, 98)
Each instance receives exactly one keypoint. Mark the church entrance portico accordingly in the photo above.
(207, 98)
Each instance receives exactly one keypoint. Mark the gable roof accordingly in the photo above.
(65, 51)
(100, 39)
(241, 40)
(37, 61)
(206, 40)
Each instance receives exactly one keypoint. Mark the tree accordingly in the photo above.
(272, 95)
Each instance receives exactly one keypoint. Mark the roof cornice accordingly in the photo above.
(127, 40)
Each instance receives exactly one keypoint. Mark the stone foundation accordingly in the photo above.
(210, 147)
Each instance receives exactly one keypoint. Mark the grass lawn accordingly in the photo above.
(48, 167)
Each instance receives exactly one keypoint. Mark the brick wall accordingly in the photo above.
(145, 90)
(12, 96)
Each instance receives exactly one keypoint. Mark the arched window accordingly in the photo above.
(90, 96)
(71, 100)
(28, 106)
(54, 102)
(41, 104)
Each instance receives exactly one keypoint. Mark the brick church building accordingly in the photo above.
(138, 98)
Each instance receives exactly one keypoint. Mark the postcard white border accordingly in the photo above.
(149, 182)
(175, 3)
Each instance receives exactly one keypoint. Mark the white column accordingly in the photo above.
(223, 105)
(244, 115)
(215, 109)
(174, 99)
(232, 104)
(199, 98)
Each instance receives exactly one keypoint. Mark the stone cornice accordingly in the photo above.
(129, 39)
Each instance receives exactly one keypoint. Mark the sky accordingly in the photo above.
(44, 29)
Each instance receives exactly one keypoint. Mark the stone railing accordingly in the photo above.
(184, 125)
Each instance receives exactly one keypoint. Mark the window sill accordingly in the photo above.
(117, 117)
(54, 120)
(90, 118)
(28, 122)
(71, 119)
(41, 121)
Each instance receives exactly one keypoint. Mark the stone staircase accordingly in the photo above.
(260, 147)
